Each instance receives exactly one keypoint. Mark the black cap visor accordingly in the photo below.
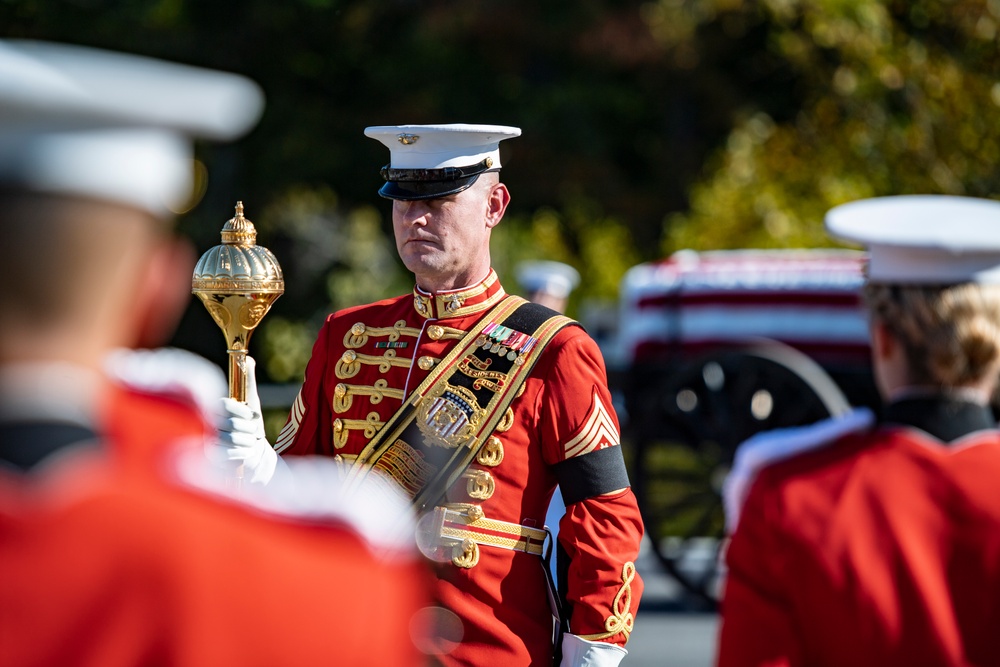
(410, 184)
(411, 190)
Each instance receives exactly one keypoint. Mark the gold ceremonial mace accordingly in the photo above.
(238, 281)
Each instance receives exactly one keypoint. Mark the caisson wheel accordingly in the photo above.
(696, 417)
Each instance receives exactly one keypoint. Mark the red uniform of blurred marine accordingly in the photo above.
(113, 553)
(887, 537)
(560, 427)
(112, 558)
(862, 544)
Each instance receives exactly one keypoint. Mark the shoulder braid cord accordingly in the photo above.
(489, 400)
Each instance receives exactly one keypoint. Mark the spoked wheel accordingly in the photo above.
(702, 412)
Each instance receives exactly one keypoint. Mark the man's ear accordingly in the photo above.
(164, 291)
(496, 204)
(884, 343)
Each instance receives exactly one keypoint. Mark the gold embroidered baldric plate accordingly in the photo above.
(446, 420)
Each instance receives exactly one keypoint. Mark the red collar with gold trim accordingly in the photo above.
(462, 302)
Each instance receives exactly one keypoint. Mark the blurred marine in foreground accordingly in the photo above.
(119, 545)
(877, 542)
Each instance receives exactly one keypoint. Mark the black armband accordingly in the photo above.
(591, 474)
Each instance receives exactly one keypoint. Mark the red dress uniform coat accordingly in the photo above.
(880, 548)
(117, 573)
(364, 363)
(131, 414)
(108, 560)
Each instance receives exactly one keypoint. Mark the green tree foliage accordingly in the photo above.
(647, 126)
(894, 98)
(607, 119)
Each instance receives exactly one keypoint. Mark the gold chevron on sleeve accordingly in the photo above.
(599, 431)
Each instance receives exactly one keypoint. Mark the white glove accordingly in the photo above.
(241, 437)
(579, 652)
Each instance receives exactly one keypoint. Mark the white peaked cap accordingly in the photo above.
(554, 278)
(923, 239)
(440, 146)
(83, 121)
(428, 161)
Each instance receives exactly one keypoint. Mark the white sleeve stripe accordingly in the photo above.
(295, 415)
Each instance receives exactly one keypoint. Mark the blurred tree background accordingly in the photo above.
(647, 126)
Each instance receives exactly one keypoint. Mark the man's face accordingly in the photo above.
(445, 241)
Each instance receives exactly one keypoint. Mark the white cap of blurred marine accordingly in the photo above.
(429, 161)
(553, 278)
(81, 121)
(924, 239)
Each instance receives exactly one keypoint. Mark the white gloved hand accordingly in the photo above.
(241, 437)
(580, 652)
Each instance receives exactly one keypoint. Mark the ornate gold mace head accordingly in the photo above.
(238, 281)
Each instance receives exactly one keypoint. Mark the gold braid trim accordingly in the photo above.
(447, 333)
(453, 303)
(506, 421)
(501, 534)
(468, 555)
(343, 394)
(491, 455)
(405, 465)
(479, 484)
(371, 425)
(621, 619)
(350, 363)
(508, 417)
(358, 334)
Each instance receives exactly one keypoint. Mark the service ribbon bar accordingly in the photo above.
(506, 342)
